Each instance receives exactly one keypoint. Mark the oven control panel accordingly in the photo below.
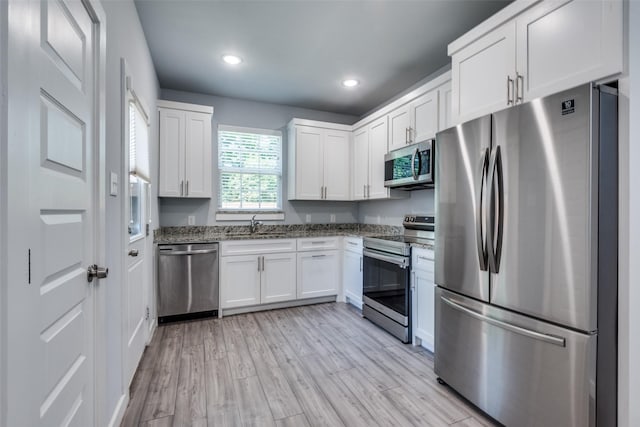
(419, 222)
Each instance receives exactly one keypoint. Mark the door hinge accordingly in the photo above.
(146, 315)
(29, 264)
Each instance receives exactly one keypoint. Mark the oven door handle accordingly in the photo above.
(402, 262)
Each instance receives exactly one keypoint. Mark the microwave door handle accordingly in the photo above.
(415, 172)
(481, 238)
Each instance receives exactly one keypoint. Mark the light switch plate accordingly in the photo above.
(332, 218)
(191, 220)
(113, 184)
(308, 218)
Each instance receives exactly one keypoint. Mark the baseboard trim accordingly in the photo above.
(152, 329)
(118, 413)
(276, 305)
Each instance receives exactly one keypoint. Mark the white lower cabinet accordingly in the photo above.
(423, 294)
(252, 272)
(318, 274)
(278, 278)
(239, 281)
(352, 270)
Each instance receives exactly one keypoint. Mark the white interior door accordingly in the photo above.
(51, 335)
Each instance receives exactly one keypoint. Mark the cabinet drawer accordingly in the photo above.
(423, 259)
(353, 244)
(318, 243)
(261, 247)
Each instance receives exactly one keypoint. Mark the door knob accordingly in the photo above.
(133, 252)
(97, 272)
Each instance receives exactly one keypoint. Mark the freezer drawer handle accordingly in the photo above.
(194, 252)
(504, 325)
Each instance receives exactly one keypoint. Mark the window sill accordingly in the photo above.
(247, 215)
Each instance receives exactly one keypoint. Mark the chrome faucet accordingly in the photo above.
(254, 224)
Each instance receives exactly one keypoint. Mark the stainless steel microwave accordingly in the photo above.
(410, 167)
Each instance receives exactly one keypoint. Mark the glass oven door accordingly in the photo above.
(386, 284)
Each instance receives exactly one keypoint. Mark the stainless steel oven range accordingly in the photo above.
(387, 275)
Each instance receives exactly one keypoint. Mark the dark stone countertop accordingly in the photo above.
(208, 234)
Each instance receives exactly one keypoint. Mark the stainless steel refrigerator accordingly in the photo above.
(526, 260)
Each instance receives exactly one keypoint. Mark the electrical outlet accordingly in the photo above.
(332, 218)
(191, 220)
(308, 218)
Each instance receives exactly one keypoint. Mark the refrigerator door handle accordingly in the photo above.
(551, 339)
(496, 210)
(481, 238)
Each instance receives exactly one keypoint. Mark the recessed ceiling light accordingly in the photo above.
(350, 83)
(232, 59)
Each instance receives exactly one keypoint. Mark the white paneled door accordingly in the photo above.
(53, 51)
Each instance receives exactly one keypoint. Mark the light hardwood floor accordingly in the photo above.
(320, 365)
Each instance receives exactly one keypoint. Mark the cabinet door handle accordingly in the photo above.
(187, 191)
(364, 191)
(509, 90)
(410, 135)
(519, 87)
(368, 191)
(318, 256)
(360, 264)
(182, 188)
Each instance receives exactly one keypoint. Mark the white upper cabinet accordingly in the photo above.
(370, 147)
(377, 151)
(483, 75)
(360, 163)
(172, 152)
(424, 117)
(319, 160)
(399, 124)
(198, 155)
(415, 121)
(445, 116)
(534, 49)
(562, 44)
(337, 158)
(185, 150)
(308, 166)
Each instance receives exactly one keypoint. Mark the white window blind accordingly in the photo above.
(250, 169)
(138, 143)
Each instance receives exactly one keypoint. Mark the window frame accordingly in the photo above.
(231, 214)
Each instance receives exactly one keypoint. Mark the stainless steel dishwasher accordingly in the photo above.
(187, 279)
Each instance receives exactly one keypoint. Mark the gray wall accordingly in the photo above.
(391, 212)
(239, 112)
(125, 39)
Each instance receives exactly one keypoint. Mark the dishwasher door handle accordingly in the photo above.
(194, 252)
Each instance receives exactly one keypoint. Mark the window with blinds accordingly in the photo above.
(138, 168)
(250, 169)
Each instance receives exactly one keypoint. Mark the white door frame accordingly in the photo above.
(98, 16)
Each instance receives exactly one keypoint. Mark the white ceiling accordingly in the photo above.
(297, 52)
